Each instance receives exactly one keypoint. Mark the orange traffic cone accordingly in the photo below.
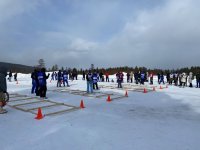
(160, 87)
(82, 104)
(145, 91)
(126, 94)
(108, 99)
(39, 114)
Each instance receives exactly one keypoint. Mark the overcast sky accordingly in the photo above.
(77, 33)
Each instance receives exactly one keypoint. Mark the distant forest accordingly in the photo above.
(112, 70)
(16, 67)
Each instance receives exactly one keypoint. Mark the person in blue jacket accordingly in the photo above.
(89, 82)
(42, 77)
(161, 78)
(65, 78)
(33, 77)
(95, 80)
(142, 76)
(59, 78)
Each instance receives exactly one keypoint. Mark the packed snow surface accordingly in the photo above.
(167, 119)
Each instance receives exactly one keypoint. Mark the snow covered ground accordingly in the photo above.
(168, 119)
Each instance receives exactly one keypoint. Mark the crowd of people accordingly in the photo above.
(92, 77)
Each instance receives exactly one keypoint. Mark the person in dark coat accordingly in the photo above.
(59, 78)
(198, 80)
(34, 82)
(65, 78)
(42, 77)
(3, 89)
(83, 75)
(15, 76)
(10, 76)
(119, 76)
(95, 80)
(89, 82)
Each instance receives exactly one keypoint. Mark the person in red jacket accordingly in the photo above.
(107, 77)
(151, 78)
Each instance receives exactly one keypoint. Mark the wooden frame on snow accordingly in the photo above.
(49, 103)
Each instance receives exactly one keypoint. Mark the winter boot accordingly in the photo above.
(2, 111)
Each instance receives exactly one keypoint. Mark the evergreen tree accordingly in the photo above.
(41, 63)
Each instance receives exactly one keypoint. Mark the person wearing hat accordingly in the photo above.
(3, 89)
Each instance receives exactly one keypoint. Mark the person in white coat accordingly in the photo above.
(190, 78)
(183, 79)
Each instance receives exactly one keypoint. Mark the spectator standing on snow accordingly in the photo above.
(128, 76)
(183, 80)
(198, 80)
(161, 78)
(136, 76)
(3, 89)
(119, 76)
(142, 78)
(179, 78)
(10, 76)
(131, 76)
(107, 77)
(190, 78)
(42, 77)
(168, 77)
(176, 79)
(15, 76)
(95, 80)
(83, 75)
(34, 83)
(158, 77)
(65, 78)
(151, 78)
(52, 76)
(171, 77)
(59, 76)
(89, 82)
